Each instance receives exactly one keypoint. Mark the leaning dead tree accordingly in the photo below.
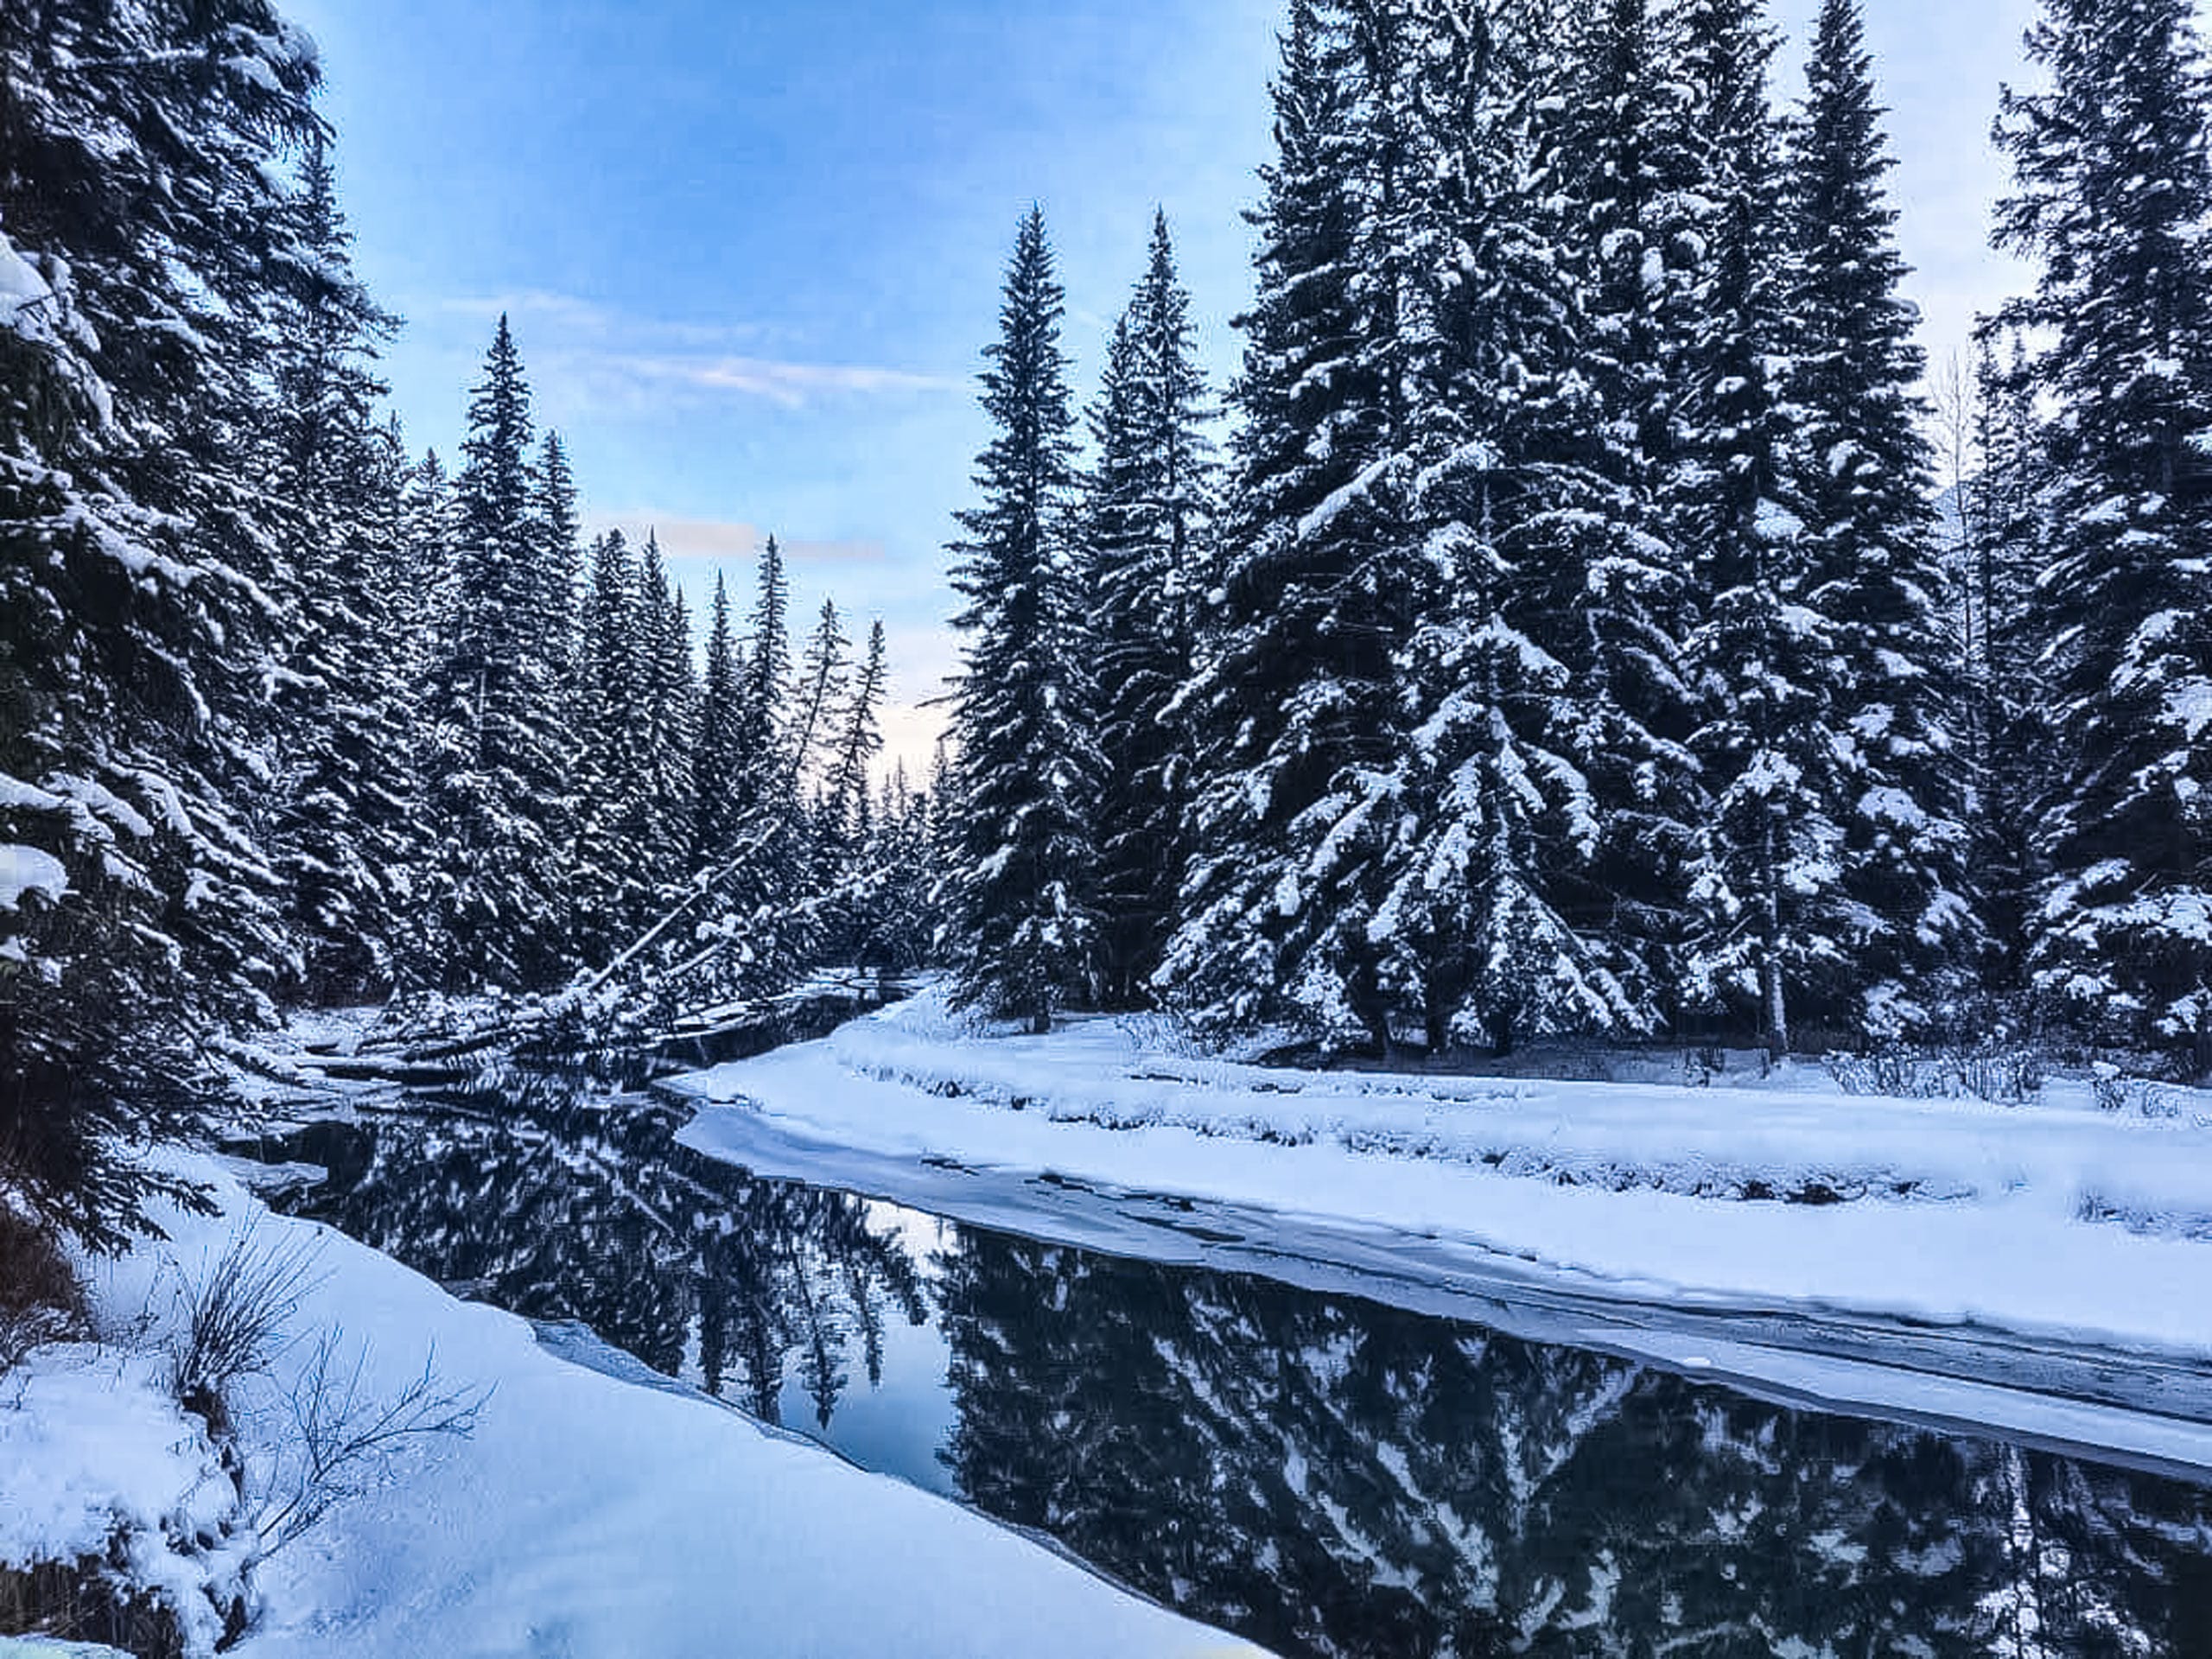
(722, 957)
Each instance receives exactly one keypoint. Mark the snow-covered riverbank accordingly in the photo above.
(585, 1515)
(2070, 1244)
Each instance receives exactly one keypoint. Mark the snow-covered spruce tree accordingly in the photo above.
(715, 761)
(1619, 605)
(2011, 747)
(1297, 724)
(1774, 927)
(423, 581)
(141, 147)
(1147, 516)
(817, 688)
(610, 889)
(764, 784)
(1495, 488)
(842, 825)
(660, 839)
(345, 821)
(498, 748)
(558, 524)
(2112, 194)
(1861, 469)
(425, 570)
(1022, 930)
(347, 826)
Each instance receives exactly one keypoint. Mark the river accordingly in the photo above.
(1325, 1474)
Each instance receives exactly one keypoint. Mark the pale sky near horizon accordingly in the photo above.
(752, 252)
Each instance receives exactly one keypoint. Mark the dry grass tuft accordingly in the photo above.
(40, 1300)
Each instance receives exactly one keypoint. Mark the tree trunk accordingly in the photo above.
(1777, 1012)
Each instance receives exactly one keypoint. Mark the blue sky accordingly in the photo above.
(751, 252)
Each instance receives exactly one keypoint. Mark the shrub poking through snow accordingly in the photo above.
(150, 1475)
(2001, 1075)
(87, 1601)
(237, 1320)
(344, 1435)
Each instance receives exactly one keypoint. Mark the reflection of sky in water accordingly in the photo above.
(921, 1236)
(900, 1427)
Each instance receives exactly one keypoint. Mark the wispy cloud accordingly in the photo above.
(721, 541)
(570, 318)
(792, 384)
(602, 356)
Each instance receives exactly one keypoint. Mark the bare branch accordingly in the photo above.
(344, 1436)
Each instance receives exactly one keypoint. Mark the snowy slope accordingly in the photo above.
(586, 1515)
(2059, 1228)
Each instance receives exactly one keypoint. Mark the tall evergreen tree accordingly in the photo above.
(556, 646)
(765, 864)
(2011, 747)
(845, 838)
(667, 808)
(425, 570)
(860, 739)
(764, 784)
(1295, 707)
(2112, 194)
(1147, 517)
(344, 820)
(1621, 604)
(422, 578)
(718, 762)
(611, 887)
(1861, 476)
(141, 155)
(1774, 925)
(816, 690)
(496, 770)
(1023, 929)
(1496, 808)
(560, 531)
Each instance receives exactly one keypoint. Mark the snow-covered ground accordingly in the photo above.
(1895, 1254)
(585, 1515)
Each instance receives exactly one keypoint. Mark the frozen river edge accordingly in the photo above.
(2001, 1310)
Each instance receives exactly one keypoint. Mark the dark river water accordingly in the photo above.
(1321, 1473)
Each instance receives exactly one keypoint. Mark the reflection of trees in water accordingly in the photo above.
(559, 1210)
(1326, 1475)
(1332, 1477)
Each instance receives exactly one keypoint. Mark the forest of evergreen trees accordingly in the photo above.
(1556, 629)
(1573, 638)
(288, 717)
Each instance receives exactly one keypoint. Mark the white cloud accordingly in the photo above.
(791, 385)
(587, 355)
(725, 540)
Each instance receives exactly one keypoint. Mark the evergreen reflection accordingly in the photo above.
(1324, 1474)
(1332, 1476)
(555, 1205)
